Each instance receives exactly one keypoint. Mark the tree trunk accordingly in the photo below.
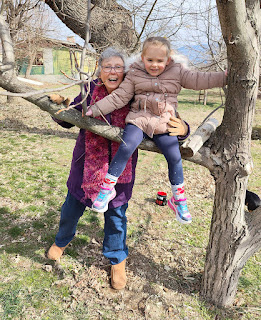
(233, 236)
(30, 65)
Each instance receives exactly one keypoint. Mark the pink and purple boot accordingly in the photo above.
(179, 204)
(106, 194)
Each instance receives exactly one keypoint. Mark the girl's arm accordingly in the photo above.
(116, 100)
(197, 80)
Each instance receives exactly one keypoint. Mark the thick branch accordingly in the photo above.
(191, 146)
(111, 24)
(94, 125)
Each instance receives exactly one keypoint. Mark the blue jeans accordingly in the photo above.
(115, 228)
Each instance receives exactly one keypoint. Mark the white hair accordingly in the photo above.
(109, 53)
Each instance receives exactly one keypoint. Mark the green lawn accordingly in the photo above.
(166, 259)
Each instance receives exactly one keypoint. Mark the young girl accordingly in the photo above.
(153, 82)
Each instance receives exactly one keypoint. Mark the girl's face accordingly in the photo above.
(155, 59)
(112, 73)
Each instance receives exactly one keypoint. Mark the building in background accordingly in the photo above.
(53, 59)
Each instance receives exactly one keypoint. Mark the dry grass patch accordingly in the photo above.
(166, 259)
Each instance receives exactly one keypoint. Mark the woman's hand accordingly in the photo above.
(178, 126)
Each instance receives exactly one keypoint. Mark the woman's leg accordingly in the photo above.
(71, 212)
(114, 244)
(115, 231)
(170, 148)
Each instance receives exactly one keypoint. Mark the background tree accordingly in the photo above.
(205, 45)
(234, 235)
(29, 24)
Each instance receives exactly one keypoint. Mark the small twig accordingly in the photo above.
(68, 77)
(79, 103)
(144, 25)
(87, 39)
(74, 105)
(220, 106)
(75, 61)
(33, 93)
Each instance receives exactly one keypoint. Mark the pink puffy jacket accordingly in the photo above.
(155, 98)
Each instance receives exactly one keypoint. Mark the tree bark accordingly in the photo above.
(195, 141)
(111, 24)
(30, 64)
(234, 234)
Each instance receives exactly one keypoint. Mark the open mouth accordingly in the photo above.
(113, 80)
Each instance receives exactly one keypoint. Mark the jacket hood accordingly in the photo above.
(136, 61)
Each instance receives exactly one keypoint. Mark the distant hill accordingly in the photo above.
(195, 54)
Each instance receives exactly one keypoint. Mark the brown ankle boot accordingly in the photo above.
(118, 275)
(55, 252)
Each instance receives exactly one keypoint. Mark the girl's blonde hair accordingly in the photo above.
(157, 41)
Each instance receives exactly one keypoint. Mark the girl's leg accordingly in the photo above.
(170, 148)
(71, 212)
(132, 137)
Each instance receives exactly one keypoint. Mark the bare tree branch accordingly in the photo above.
(86, 42)
(8, 51)
(144, 25)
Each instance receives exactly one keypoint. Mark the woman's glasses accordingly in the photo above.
(118, 69)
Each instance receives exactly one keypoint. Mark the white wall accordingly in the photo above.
(48, 60)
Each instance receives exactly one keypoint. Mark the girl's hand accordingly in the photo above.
(88, 113)
(177, 126)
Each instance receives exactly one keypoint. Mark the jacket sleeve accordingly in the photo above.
(117, 99)
(196, 80)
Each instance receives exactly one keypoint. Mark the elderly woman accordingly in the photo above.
(91, 157)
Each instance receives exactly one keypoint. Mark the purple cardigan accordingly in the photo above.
(124, 190)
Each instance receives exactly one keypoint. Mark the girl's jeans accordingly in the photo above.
(115, 228)
(168, 145)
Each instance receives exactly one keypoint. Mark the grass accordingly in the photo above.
(166, 259)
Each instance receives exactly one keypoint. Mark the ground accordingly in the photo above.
(166, 259)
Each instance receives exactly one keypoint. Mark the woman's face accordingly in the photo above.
(112, 73)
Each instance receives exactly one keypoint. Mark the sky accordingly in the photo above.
(186, 36)
(61, 30)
